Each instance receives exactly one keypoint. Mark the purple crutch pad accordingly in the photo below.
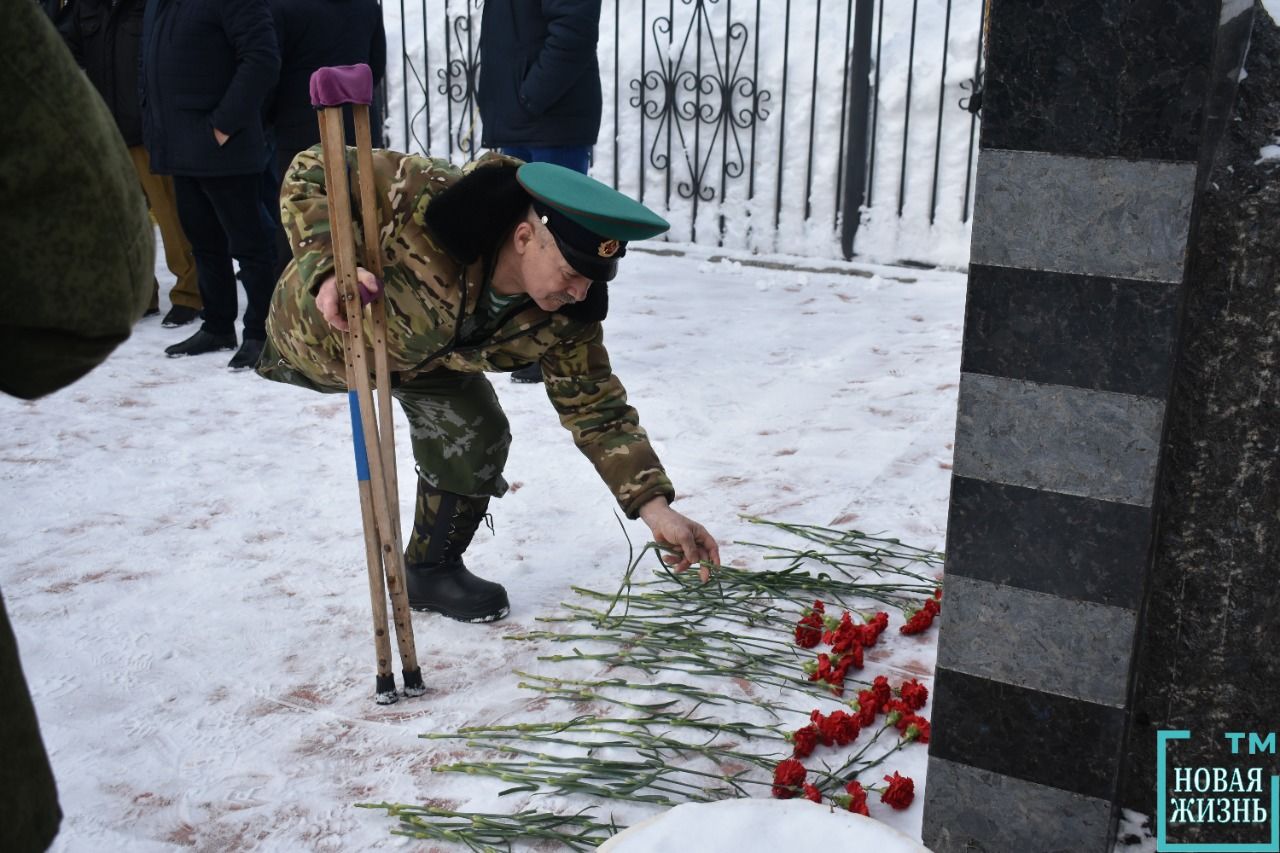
(341, 84)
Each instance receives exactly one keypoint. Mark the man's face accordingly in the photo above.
(548, 279)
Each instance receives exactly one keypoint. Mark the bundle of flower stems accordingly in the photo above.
(690, 693)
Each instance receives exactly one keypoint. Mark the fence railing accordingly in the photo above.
(816, 127)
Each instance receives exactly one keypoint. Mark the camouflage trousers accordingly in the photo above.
(459, 433)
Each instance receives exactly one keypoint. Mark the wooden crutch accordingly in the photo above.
(373, 432)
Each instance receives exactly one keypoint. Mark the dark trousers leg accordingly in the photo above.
(224, 218)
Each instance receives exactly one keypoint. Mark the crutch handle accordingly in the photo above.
(341, 84)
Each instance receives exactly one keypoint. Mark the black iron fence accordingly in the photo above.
(818, 127)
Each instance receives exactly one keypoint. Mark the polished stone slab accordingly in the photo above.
(1039, 737)
(1114, 218)
(1064, 329)
(1209, 642)
(1099, 78)
(1041, 642)
(969, 810)
(1095, 444)
(1078, 548)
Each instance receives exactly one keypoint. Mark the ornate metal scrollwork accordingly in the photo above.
(460, 76)
(681, 98)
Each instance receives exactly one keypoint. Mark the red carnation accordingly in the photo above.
(932, 605)
(809, 630)
(788, 776)
(846, 635)
(937, 593)
(916, 728)
(857, 798)
(804, 740)
(822, 730)
(900, 793)
(919, 621)
(821, 669)
(914, 694)
(811, 793)
(868, 705)
(875, 626)
(895, 712)
(883, 692)
(841, 727)
(836, 676)
(880, 621)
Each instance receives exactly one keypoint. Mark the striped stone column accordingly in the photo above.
(1093, 135)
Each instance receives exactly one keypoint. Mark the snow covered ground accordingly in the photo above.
(183, 561)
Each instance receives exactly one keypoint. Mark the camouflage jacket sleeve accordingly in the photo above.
(305, 206)
(304, 212)
(592, 405)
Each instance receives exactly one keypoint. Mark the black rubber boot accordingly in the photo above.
(435, 575)
(529, 374)
(248, 354)
(200, 343)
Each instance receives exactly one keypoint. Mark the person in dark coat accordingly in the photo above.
(105, 37)
(78, 256)
(57, 10)
(539, 93)
(208, 68)
(539, 78)
(314, 34)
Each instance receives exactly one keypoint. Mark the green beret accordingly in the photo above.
(591, 222)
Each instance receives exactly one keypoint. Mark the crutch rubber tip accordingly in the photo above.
(385, 690)
(413, 685)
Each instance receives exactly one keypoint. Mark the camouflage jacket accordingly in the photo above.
(429, 294)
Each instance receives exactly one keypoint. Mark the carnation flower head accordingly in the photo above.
(914, 694)
(804, 740)
(855, 798)
(900, 792)
(788, 776)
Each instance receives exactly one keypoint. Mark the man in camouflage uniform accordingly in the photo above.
(486, 268)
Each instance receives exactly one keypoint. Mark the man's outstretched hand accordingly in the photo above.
(330, 303)
(695, 544)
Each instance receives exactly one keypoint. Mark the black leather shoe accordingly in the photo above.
(448, 588)
(529, 374)
(179, 315)
(247, 356)
(200, 343)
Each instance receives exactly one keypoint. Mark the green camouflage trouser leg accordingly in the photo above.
(460, 440)
(459, 432)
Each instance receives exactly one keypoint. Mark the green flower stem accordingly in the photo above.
(640, 740)
(849, 538)
(656, 767)
(739, 628)
(587, 691)
(477, 831)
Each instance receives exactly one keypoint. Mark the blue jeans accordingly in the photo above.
(576, 157)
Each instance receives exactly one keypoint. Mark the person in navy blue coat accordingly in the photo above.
(539, 93)
(208, 68)
(540, 80)
(314, 34)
